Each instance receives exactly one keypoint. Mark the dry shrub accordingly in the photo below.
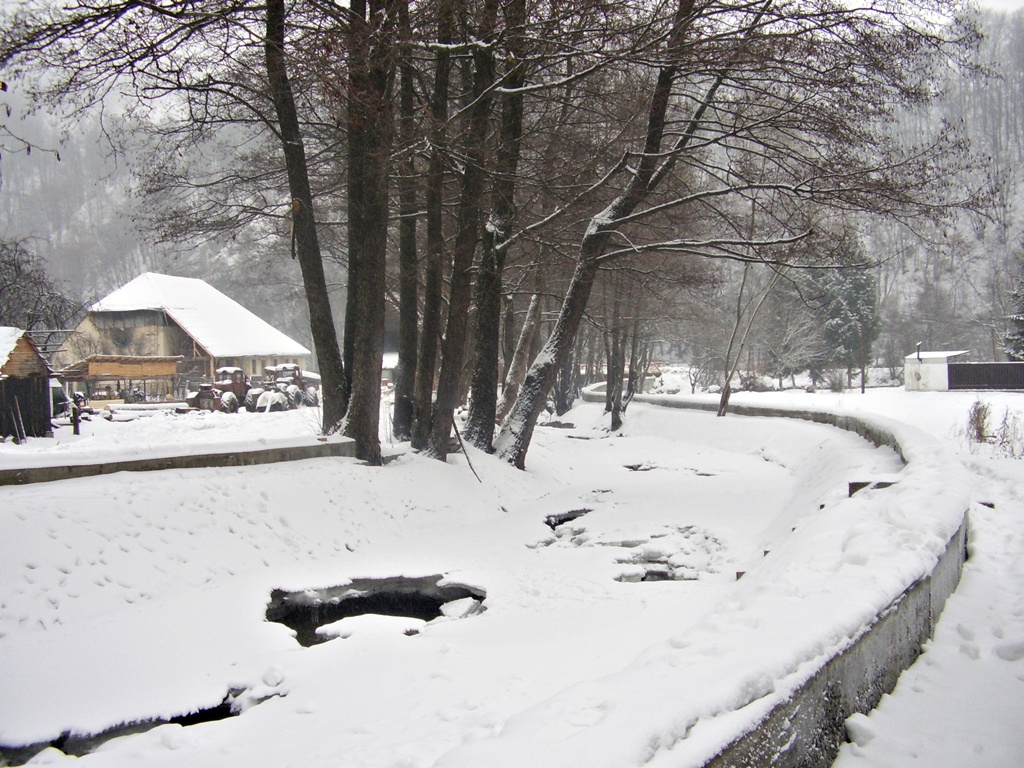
(1009, 437)
(977, 422)
(1006, 440)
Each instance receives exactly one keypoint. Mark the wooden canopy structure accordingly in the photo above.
(132, 369)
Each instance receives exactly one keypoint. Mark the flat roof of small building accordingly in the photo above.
(935, 356)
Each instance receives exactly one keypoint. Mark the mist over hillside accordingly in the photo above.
(95, 218)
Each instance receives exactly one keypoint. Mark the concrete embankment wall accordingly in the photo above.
(806, 729)
(240, 458)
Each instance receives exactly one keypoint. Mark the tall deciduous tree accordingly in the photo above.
(495, 239)
(437, 139)
(372, 47)
(806, 87)
(468, 226)
(408, 267)
(305, 241)
(29, 299)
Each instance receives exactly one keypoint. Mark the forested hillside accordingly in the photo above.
(948, 286)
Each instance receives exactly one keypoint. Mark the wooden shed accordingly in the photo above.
(25, 405)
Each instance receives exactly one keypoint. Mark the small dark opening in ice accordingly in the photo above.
(78, 745)
(657, 574)
(221, 712)
(416, 598)
(553, 521)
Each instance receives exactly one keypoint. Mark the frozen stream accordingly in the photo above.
(143, 596)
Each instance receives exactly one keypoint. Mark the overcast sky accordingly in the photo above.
(1003, 5)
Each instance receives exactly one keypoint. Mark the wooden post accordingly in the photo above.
(19, 425)
(14, 427)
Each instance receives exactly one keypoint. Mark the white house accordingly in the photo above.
(158, 315)
(928, 371)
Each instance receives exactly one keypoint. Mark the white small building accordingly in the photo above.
(928, 371)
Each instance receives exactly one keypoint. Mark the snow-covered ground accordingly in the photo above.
(143, 596)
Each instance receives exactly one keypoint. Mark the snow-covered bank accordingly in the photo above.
(160, 433)
(830, 578)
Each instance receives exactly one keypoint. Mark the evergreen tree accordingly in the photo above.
(1013, 339)
(850, 317)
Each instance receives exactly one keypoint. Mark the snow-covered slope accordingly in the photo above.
(144, 596)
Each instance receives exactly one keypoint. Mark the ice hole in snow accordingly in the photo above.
(423, 597)
(78, 744)
(553, 521)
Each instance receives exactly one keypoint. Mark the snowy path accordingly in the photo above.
(962, 703)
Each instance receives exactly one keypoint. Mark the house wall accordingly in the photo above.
(24, 361)
(999, 376)
(140, 333)
(928, 375)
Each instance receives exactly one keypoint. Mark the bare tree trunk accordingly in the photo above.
(616, 360)
(305, 242)
(454, 343)
(639, 352)
(508, 340)
(517, 431)
(645, 364)
(616, 372)
(479, 430)
(520, 359)
(590, 374)
(863, 360)
(730, 367)
(371, 43)
(430, 333)
(405, 374)
(484, 388)
(567, 385)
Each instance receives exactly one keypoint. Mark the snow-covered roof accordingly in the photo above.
(222, 326)
(8, 340)
(938, 355)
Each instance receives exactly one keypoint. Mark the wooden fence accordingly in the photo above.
(986, 376)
